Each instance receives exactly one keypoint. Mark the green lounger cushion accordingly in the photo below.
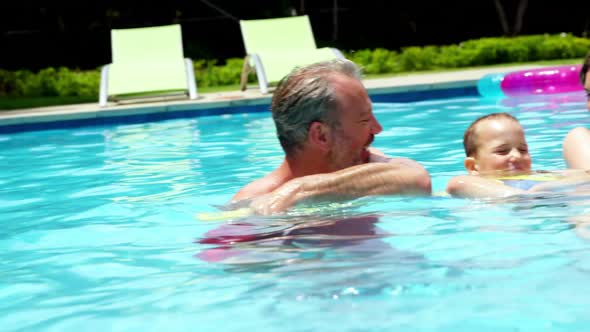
(147, 59)
(282, 44)
(278, 65)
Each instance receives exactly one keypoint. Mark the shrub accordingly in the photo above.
(564, 46)
(485, 51)
(377, 61)
(419, 58)
(7, 86)
(208, 73)
(26, 83)
(77, 83)
(49, 82)
(454, 56)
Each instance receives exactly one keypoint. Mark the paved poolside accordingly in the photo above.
(251, 97)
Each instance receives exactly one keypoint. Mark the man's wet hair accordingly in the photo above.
(307, 95)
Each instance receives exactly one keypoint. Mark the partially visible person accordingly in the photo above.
(576, 145)
(576, 148)
(325, 125)
(584, 77)
(493, 144)
(499, 163)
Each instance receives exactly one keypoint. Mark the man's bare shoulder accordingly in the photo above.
(258, 187)
(379, 157)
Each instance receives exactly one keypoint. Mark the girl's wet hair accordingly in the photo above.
(470, 136)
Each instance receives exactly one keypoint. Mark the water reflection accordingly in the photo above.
(327, 255)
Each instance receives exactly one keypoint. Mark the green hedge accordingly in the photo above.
(477, 52)
(208, 73)
(66, 82)
(49, 82)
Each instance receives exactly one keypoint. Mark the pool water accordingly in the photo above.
(118, 228)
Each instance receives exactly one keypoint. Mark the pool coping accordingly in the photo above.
(250, 100)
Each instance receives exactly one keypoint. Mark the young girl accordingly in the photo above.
(499, 163)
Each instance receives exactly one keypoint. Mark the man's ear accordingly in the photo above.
(319, 135)
(471, 165)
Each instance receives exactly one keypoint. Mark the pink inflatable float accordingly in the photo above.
(548, 80)
(542, 81)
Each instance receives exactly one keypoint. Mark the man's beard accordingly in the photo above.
(340, 157)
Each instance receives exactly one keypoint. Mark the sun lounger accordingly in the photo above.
(147, 62)
(275, 46)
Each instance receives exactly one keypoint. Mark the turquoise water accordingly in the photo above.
(101, 230)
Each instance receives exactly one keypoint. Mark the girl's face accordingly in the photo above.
(501, 147)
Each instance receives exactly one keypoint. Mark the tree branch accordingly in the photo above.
(502, 17)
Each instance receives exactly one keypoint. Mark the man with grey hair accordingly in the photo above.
(325, 124)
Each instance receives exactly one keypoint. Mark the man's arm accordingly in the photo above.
(473, 186)
(379, 178)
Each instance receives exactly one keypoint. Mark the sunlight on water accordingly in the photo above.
(118, 228)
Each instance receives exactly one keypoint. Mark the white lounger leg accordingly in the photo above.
(262, 82)
(190, 78)
(103, 94)
(337, 52)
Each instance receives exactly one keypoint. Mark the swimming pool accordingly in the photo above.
(101, 228)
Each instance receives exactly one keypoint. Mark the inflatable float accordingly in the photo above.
(539, 81)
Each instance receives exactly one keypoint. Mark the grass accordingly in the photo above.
(12, 103)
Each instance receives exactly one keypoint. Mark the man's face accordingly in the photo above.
(357, 124)
(501, 147)
(587, 88)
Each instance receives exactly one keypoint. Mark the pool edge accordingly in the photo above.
(393, 89)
